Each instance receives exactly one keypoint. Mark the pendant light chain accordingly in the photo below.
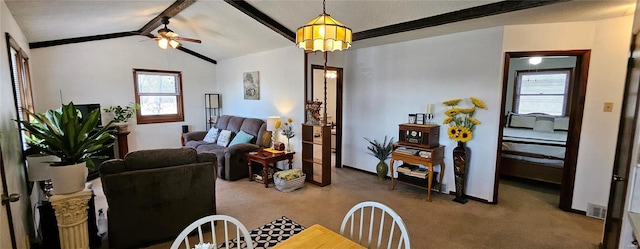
(324, 10)
(324, 75)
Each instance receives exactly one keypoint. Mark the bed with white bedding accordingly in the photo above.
(533, 147)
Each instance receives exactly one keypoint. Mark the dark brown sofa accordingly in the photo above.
(232, 160)
(154, 194)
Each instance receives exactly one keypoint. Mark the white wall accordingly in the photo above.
(609, 43)
(10, 138)
(281, 88)
(383, 84)
(101, 72)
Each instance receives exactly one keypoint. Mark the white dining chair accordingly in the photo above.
(386, 232)
(242, 234)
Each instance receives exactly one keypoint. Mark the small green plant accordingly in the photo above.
(383, 150)
(61, 133)
(122, 114)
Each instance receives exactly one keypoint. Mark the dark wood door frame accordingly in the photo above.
(624, 150)
(338, 118)
(576, 111)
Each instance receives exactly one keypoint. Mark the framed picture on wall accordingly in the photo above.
(251, 82)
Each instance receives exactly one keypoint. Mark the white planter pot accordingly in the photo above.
(122, 126)
(68, 179)
(38, 167)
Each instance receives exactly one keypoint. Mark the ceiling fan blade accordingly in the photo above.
(187, 39)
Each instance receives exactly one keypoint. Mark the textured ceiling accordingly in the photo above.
(227, 32)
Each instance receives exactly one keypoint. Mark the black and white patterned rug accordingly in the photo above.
(269, 234)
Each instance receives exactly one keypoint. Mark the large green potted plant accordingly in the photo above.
(381, 151)
(76, 141)
(122, 114)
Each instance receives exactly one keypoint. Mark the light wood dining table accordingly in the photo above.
(317, 236)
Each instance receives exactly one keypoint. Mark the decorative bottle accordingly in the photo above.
(102, 223)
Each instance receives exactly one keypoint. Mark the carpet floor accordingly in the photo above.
(526, 216)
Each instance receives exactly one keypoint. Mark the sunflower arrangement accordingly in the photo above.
(460, 120)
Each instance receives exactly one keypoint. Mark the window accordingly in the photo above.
(159, 94)
(19, 63)
(542, 92)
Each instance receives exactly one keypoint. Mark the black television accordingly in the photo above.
(85, 109)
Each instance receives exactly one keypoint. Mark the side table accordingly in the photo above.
(266, 158)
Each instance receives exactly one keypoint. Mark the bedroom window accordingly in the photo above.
(542, 92)
(159, 94)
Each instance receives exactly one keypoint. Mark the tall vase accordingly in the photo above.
(288, 145)
(461, 155)
(382, 168)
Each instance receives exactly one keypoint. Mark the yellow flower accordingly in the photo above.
(454, 132)
(451, 102)
(278, 124)
(465, 135)
(447, 120)
(478, 103)
(452, 112)
(474, 121)
(468, 110)
(290, 120)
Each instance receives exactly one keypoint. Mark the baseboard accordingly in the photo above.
(363, 171)
(578, 211)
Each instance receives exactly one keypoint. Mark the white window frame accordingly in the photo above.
(566, 96)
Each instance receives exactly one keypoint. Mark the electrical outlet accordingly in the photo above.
(608, 107)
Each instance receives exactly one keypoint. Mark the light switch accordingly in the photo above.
(608, 107)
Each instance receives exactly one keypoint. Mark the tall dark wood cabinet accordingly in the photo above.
(316, 153)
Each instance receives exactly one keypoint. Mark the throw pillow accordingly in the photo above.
(241, 137)
(211, 136)
(223, 138)
(543, 123)
(522, 121)
(561, 124)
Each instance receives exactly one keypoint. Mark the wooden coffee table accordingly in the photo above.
(267, 160)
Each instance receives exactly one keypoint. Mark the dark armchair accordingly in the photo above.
(154, 194)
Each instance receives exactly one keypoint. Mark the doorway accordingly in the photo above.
(525, 83)
(334, 76)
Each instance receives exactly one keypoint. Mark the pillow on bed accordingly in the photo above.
(561, 124)
(543, 123)
(522, 121)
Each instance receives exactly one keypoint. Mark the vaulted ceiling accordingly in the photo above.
(234, 28)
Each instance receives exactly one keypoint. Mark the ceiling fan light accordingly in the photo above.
(174, 44)
(162, 43)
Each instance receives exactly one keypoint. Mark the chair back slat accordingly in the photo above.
(226, 234)
(212, 224)
(376, 222)
(380, 228)
(242, 234)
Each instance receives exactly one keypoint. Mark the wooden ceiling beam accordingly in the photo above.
(191, 52)
(175, 8)
(59, 42)
(451, 17)
(257, 15)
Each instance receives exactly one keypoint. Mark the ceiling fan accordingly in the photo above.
(167, 37)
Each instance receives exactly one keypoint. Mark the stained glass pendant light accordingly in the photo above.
(323, 33)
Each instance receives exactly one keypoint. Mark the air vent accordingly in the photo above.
(596, 211)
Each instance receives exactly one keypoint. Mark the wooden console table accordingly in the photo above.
(437, 158)
(266, 158)
(123, 143)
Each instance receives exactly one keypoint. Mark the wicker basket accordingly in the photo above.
(291, 185)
